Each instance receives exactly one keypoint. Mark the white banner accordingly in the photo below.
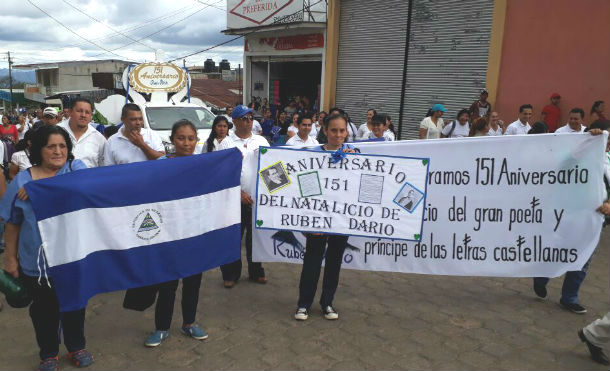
(341, 193)
(254, 13)
(514, 206)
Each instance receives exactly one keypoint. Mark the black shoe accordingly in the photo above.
(597, 353)
(573, 307)
(540, 291)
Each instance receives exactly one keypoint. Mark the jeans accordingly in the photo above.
(312, 265)
(232, 271)
(571, 283)
(46, 319)
(164, 310)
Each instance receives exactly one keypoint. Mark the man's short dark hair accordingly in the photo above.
(129, 107)
(378, 119)
(525, 106)
(371, 109)
(579, 111)
(81, 99)
(304, 116)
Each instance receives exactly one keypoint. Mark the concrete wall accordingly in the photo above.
(77, 76)
(554, 46)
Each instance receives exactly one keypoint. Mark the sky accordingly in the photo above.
(177, 27)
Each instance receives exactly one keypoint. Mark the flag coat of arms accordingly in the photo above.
(125, 226)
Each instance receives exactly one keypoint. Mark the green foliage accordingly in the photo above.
(99, 118)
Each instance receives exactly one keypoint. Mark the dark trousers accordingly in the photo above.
(312, 264)
(232, 271)
(571, 283)
(164, 310)
(47, 319)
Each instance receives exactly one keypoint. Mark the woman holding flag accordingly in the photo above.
(184, 138)
(50, 155)
(335, 129)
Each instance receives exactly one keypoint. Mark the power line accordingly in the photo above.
(69, 29)
(238, 37)
(213, 6)
(149, 22)
(162, 29)
(107, 26)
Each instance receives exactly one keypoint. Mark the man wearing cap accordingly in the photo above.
(551, 112)
(88, 143)
(480, 107)
(431, 126)
(49, 117)
(248, 144)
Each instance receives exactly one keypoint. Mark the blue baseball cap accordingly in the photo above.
(240, 111)
(439, 107)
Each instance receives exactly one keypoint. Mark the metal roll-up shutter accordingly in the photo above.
(372, 36)
(447, 61)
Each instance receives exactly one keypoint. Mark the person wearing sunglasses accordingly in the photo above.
(248, 144)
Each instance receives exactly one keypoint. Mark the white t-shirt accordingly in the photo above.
(385, 136)
(119, 150)
(363, 132)
(434, 130)
(493, 133)
(517, 128)
(89, 148)
(460, 131)
(314, 130)
(388, 133)
(226, 143)
(249, 165)
(566, 129)
(292, 129)
(297, 141)
(256, 127)
(26, 127)
(21, 159)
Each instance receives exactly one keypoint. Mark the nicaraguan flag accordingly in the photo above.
(118, 227)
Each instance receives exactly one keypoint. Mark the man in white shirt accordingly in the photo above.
(248, 144)
(521, 126)
(88, 143)
(133, 143)
(574, 124)
(302, 139)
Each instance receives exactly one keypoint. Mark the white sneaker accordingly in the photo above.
(301, 314)
(330, 313)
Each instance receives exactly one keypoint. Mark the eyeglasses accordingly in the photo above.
(249, 118)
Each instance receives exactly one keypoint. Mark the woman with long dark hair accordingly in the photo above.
(219, 136)
(50, 155)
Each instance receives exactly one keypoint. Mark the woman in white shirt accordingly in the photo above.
(219, 136)
(293, 129)
(20, 159)
(431, 126)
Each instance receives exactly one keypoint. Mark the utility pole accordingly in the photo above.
(10, 80)
(239, 82)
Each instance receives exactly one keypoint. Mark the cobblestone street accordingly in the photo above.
(388, 321)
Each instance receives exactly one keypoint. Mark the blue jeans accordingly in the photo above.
(571, 283)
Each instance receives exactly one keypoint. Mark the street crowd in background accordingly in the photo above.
(50, 142)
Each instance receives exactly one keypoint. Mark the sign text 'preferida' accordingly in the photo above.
(157, 77)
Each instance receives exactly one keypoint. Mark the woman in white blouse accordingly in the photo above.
(20, 159)
(293, 129)
(219, 136)
(431, 126)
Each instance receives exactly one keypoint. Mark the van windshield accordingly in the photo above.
(163, 118)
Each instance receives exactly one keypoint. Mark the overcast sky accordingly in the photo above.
(32, 36)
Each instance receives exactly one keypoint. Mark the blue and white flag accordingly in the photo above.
(125, 226)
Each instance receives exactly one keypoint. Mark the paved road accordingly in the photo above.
(388, 321)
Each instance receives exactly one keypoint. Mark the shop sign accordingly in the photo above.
(157, 77)
(295, 42)
(252, 13)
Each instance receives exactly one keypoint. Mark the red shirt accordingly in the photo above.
(552, 117)
(10, 132)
